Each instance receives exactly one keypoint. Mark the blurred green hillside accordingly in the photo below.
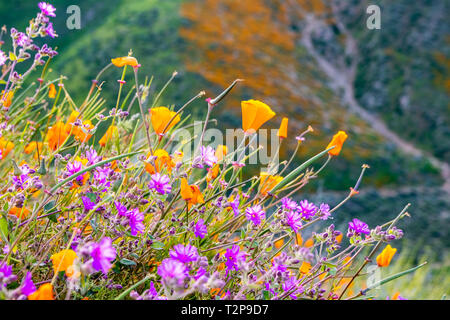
(402, 78)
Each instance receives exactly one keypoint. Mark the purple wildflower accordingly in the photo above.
(101, 178)
(50, 31)
(324, 212)
(6, 275)
(121, 209)
(161, 183)
(307, 209)
(234, 256)
(27, 286)
(200, 229)
(102, 254)
(235, 205)
(290, 284)
(255, 214)
(207, 157)
(87, 203)
(47, 9)
(172, 272)
(74, 167)
(184, 254)
(357, 227)
(135, 219)
(92, 156)
(294, 220)
(289, 204)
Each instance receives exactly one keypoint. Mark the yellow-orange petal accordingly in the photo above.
(45, 292)
(122, 61)
(52, 91)
(63, 260)
(112, 130)
(385, 257)
(282, 132)
(161, 117)
(254, 114)
(337, 141)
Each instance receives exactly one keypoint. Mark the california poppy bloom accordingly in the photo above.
(163, 160)
(56, 135)
(161, 117)
(125, 61)
(305, 267)
(45, 292)
(282, 132)
(7, 98)
(5, 147)
(52, 91)
(268, 182)
(20, 213)
(254, 114)
(337, 141)
(63, 260)
(112, 130)
(385, 257)
(191, 193)
(81, 134)
(34, 146)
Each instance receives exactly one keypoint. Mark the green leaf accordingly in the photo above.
(127, 262)
(395, 276)
(4, 229)
(294, 174)
(157, 245)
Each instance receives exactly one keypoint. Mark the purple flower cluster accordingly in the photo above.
(356, 227)
(234, 257)
(200, 229)
(307, 210)
(160, 183)
(255, 214)
(99, 256)
(207, 157)
(134, 216)
(175, 270)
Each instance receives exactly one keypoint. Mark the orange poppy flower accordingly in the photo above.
(212, 173)
(191, 193)
(268, 182)
(125, 61)
(309, 243)
(45, 292)
(112, 131)
(385, 257)
(63, 260)
(163, 160)
(279, 243)
(282, 132)
(337, 141)
(5, 147)
(52, 91)
(221, 152)
(20, 213)
(56, 135)
(161, 117)
(7, 99)
(305, 267)
(299, 239)
(81, 134)
(254, 114)
(34, 146)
